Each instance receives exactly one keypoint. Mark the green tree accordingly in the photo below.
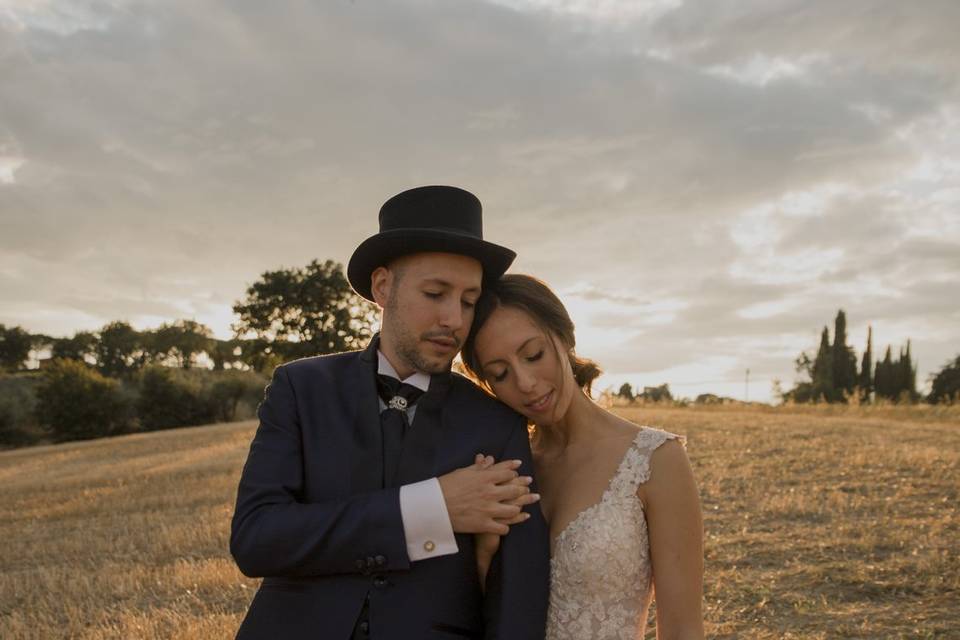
(18, 402)
(79, 347)
(660, 393)
(303, 312)
(181, 341)
(712, 398)
(945, 384)
(232, 388)
(117, 349)
(258, 354)
(908, 377)
(168, 400)
(884, 384)
(15, 345)
(76, 403)
(865, 381)
(822, 370)
(804, 365)
(843, 361)
(224, 352)
(896, 380)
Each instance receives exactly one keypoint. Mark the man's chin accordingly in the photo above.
(434, 365)
(441, 367)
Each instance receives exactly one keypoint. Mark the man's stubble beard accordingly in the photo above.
(406, 344)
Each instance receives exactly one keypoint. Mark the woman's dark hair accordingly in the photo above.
(535, 298)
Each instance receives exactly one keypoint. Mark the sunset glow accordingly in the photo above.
(705, 185)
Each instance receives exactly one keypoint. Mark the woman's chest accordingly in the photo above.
(568, 488)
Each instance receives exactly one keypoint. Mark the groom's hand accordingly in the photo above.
(485, 498)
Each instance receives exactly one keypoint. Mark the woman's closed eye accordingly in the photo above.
(536, 356)
(499, 377)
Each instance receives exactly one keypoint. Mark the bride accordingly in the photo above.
(622, 503)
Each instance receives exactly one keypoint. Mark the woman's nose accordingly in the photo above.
(525, 381)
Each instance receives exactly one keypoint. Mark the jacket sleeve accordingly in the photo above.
(518, 582)
(274, 533)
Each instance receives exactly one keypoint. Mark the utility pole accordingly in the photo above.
(746, 387)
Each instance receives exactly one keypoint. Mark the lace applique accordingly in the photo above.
(600, 574)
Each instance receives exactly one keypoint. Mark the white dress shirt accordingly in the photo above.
(426, 523)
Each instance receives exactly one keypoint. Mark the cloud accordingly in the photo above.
(8, 169)
(700, 181)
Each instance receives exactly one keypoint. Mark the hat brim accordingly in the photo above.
(379, 250)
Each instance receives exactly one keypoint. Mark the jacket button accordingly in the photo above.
(371, 563)
(380, 582)
(365, 628)
(380, 560)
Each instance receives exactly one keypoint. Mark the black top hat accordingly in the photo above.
(435, 218)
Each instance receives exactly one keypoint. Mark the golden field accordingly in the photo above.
(820, 522)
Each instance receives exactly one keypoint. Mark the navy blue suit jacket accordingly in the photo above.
(311, 509)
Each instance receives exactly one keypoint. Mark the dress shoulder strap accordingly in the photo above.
(635, 468)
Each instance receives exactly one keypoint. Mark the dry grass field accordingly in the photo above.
(820, 523)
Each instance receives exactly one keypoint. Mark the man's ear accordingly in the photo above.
(381, 282)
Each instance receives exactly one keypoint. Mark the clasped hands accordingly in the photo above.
(487, 497)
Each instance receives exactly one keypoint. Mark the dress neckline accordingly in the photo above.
(555, 540)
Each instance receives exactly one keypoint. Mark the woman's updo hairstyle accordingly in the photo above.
(535, 298)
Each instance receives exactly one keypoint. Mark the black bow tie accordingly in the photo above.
(394, 421)
(395, 394)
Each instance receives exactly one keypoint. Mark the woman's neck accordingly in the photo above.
(582, 422)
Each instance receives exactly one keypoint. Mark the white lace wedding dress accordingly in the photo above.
(600, 574)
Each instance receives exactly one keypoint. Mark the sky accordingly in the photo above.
(703, 183)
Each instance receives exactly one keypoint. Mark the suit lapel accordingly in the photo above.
(367, 467)
(419, 454)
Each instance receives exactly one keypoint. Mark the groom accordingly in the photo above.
(359, 511)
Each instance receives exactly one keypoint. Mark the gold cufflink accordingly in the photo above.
(429, 546)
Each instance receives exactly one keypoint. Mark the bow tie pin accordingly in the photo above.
(398, 402)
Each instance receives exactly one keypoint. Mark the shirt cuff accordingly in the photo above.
(426, 523)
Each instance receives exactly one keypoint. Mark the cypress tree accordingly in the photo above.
(866, 368)
(882, 381)
(823, 369)
(898, 378)
(843, 362)
(908, 375)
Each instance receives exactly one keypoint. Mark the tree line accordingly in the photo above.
(286, 314)
(833, 374)
(660, 393)
(836, 375)
(119, 379)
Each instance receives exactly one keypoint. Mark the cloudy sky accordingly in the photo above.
(704, 183)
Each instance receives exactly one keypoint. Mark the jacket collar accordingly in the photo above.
(439, 382)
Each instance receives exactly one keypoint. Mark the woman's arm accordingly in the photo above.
(675, 525)
(485, 544)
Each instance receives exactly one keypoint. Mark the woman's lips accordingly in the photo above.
(540, 403)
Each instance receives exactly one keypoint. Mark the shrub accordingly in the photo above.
(18, 400)
(77, 403)
(168, 400)
(945, 384)
(231, 389)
